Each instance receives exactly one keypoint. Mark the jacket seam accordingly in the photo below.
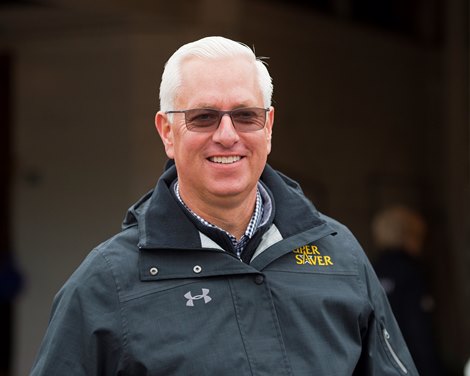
(342, 273)
(279, 333)
(242, 335)
(124, 324)
(153, 290)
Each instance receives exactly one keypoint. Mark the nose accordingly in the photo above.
(226, 134)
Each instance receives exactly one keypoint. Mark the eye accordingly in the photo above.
(245, 115)
(202, 117)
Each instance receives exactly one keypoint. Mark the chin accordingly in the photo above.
(230, 190)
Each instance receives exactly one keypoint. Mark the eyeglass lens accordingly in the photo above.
(243, 119)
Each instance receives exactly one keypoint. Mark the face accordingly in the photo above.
(224, 164)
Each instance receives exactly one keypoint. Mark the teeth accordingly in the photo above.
(225, 160)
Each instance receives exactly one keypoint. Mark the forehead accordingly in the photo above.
(221, 82)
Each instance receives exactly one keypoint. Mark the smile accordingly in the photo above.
(225, 160)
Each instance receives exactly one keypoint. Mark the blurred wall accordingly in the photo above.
(76, 151)
(361, 121)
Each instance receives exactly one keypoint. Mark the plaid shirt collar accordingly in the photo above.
(260, 215)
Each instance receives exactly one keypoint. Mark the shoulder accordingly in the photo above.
(106, 269)
(348, 247)
(343, 236)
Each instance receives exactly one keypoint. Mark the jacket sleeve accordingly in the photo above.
(384, 349)
(84, 335)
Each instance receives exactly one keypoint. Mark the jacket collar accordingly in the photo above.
(162, 223)
(294, 213)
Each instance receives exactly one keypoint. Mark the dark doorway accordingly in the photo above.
(10, 280)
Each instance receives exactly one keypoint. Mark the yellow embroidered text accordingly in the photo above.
(309, 254)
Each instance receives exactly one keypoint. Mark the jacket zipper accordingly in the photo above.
(394, 355)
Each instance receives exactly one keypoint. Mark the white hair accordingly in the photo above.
(209, 48)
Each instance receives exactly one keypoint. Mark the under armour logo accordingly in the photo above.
(191, 299)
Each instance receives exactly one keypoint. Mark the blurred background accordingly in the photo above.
(371, 101)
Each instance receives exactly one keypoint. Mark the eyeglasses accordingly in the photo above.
(248, 119)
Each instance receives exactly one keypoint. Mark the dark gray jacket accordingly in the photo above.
(162, 298)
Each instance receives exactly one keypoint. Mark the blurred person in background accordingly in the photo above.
(399, 234)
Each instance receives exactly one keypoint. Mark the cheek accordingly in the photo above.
(186, 145)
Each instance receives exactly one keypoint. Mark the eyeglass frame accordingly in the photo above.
(221, 115)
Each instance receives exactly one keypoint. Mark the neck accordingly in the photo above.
(231, 214)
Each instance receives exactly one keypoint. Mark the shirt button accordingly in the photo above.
(153, 270)
(197, 269)
(259, 279)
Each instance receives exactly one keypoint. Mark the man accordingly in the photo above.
(225, 268)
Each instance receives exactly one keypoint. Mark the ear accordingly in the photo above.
(269, 128)
(166, 132)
